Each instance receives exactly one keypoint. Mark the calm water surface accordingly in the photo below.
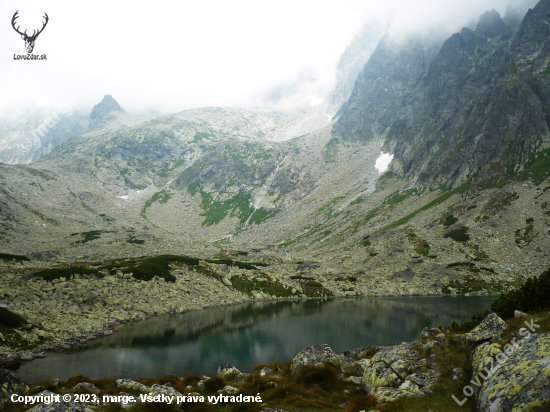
(249, 334)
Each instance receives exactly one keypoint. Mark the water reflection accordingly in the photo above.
(245, 335)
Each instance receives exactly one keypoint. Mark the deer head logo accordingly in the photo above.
(29, 40)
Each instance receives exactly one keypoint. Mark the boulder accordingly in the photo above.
(398, 371)
(361, 366)
(10, 384)
(266, 371)
(320, 354)
(442, 339)
(457, 373)
(431, 344)
(226, 369)
(229, 390)
(428, 332)
(519, 314)
(132, 385)
(490, 328)
(86, 387)
(164, 390)
(60, 407)
(356, 380)
(520, 374)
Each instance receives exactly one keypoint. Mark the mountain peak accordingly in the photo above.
(103, 109)
(106, 106)
(490, 24)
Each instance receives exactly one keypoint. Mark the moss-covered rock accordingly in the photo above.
(10, 385)
(398, 371)
(224, 370)
(519, 374)
(490, 328)
(131, 385)
(316, 354)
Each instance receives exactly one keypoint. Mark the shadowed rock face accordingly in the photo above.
(482, 97)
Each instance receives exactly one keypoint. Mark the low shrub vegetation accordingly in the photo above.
(68, 273)
(8, 257)
(10, 319)
(533, 295)
(459, 235)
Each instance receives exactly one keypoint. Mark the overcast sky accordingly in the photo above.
(171, 55)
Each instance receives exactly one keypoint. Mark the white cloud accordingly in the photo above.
(170, 55)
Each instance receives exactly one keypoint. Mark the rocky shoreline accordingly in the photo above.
(66, 312)
(517, 351)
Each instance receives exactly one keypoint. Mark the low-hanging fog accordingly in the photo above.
(168, 55)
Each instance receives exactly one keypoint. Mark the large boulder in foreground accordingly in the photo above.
(520, 381)
(61, 406)
(490, 328)
(10, 384)
(398, 371)
(320, 354)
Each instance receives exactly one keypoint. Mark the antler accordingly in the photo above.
(43, 27)
(15, 17)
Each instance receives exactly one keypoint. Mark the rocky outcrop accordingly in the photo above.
(490, 328)
(480, 100)
(10, 384)
(101, 110)
(61, 407)
(319, 354)
(129, 384)
(85, 387)
(226, 369)
(399, 371)
(37, 131)
(514, 376)
(352, 62)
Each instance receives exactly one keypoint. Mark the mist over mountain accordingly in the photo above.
(475, 103)
(414, 162)
(458, 115)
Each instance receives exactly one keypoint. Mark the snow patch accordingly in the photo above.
(383, 162)
(123, 197)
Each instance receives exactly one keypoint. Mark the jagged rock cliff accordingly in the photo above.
(352, 62)
(478, 105)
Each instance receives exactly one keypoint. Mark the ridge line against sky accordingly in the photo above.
(166, 56)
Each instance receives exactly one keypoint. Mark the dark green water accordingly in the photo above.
(249, 334)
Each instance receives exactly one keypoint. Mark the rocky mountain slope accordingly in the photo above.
(222, 183)
(475, 105)
(352, 62)
(29, 136)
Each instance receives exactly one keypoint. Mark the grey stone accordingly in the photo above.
(490, 328)
(457, 373)
(86, 387)
(10, 384)
(520, 381)
(322, 353)
(226, 369)
(266, 371)
(519, 314)
(427, 332)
